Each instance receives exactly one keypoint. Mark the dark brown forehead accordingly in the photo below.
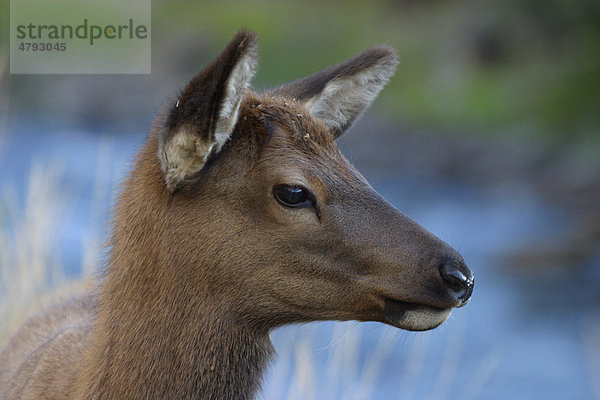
(287, 115)
(293, 127)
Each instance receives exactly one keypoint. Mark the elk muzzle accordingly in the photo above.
(416, 277)
(453, 285)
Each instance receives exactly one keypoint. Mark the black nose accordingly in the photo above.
(458, 280)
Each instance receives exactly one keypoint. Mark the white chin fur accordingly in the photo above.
(422, 319)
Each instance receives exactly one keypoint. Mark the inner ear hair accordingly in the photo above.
(340, 94)
(205, 114)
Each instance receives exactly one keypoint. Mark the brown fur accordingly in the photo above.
(199, 275)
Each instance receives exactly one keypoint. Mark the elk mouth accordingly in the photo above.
(413, 316)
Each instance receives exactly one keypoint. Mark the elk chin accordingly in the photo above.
(412, 316)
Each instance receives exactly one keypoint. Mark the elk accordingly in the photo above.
(240, 215)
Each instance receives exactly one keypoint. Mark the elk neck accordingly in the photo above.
(157, 333)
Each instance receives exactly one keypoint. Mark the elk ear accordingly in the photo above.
(339, 94)
(206, 112)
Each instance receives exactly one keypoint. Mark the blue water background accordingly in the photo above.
(518, 338)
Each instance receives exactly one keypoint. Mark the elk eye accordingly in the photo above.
(293, 196)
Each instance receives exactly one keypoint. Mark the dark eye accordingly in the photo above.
(293, 196)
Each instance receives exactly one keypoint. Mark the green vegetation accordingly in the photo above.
(467, 66)
(527, 68)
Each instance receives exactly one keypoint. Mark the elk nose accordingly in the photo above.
(458, 280)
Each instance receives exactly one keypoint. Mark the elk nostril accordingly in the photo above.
(458, 283)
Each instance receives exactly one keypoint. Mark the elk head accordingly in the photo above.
(266, 216)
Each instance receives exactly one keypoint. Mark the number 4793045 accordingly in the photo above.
(34, 46)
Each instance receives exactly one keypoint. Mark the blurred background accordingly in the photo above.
(488, 135)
